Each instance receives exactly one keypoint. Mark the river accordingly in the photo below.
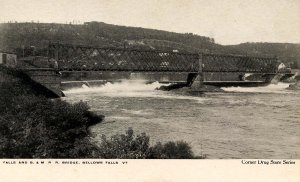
(251, 122)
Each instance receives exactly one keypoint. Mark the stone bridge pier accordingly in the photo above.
(49, 78)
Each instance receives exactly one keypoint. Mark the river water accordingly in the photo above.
(252, 122)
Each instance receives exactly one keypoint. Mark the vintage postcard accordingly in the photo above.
(150, 90)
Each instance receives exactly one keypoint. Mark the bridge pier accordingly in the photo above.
(190, 79)
(197, 84)
(49, 78)
(195, 80)
(200, 70)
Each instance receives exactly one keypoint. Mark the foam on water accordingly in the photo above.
(125, 87)
(271, 88)
(135, 85)
(130, 88)
(140, 89)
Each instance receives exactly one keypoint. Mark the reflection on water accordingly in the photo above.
(252, 122)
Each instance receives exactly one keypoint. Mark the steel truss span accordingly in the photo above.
(88, 58)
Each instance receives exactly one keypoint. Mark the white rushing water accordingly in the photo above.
(243, 122)
(129, 88)
(123, 86)
(139, 88)
(271, 88)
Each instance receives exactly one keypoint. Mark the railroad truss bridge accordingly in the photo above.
(78, 58)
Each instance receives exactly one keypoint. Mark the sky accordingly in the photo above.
(227, 21)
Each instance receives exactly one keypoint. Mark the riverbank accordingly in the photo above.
(34, 123)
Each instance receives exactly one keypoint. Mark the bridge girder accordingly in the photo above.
(88, 58)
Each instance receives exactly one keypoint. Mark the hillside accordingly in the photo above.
(286, 52)
(16, 36)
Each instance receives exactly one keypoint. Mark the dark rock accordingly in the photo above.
(172, 86)
(294, 86)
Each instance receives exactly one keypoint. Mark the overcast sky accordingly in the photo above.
(228, 21)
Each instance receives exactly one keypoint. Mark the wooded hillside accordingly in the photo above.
(36, 36)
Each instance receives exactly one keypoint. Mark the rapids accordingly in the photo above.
(249, 122)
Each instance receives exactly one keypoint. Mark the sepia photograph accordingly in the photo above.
(149, 79)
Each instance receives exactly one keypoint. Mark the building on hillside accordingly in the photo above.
(8, 59)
